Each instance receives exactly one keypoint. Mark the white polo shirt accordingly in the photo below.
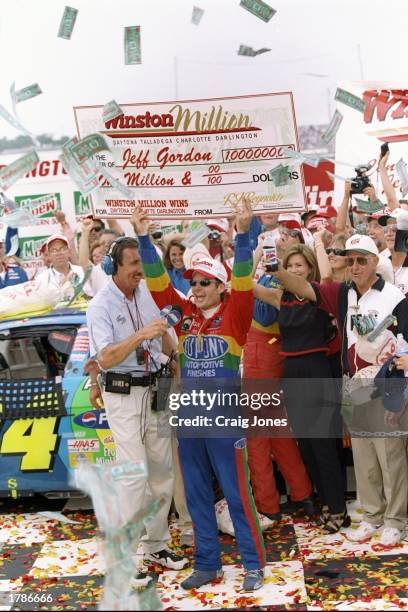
(379, 301)
(50, 276)
(109, 319)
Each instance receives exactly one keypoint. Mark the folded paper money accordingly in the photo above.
(67, 22)
(259, 9)
(367, 206)
(27, 92)
(17, 169)
(345, 97)
(304, 158)
(132, 45)
(111, 110)
(89, 146)
(197, 15)
(250, 52)
(333, 127)
(280, 175)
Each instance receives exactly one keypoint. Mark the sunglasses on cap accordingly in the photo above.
(338, 252)
(206, 282)
(362, 261)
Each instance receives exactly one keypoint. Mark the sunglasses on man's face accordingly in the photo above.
(338, 252)
(97, 229)
(362, 261)
(206, 282)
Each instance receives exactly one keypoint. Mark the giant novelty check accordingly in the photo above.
(198, 157)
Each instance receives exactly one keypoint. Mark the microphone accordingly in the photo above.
(172, 314)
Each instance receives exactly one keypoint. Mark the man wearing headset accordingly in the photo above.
(126, 333)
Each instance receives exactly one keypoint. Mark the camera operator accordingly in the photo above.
(126, 333)
(343, 224)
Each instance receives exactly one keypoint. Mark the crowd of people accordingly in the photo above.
(339, 276)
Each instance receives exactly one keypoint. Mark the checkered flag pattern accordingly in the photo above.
(31, 398)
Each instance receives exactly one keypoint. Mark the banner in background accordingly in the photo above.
(318, 189)
(361, 134)
(82, 205)
(199, 157)
(42, 206)
(30, 255)
(318, 185)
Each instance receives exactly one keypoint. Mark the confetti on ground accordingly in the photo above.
(306, 570)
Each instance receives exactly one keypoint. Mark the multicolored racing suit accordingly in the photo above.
(215, 345)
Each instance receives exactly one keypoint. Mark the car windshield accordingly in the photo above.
(35, 352)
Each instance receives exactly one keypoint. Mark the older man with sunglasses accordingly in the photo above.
(212, 333)
(380, 462)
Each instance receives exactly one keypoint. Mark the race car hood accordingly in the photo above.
(52, 320)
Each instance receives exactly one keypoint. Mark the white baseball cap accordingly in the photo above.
(361, 243)
(290, 220)
(207, 267)
(220, 224)
(53, 237)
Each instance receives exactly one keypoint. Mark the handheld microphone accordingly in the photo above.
(172, 314)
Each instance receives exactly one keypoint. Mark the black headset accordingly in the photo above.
(109, 261)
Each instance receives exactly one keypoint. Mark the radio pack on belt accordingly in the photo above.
(115, 382)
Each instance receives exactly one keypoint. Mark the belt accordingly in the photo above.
(138, 381)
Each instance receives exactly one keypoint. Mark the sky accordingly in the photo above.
(339, 39)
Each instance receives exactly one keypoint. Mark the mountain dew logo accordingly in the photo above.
(82, 206)
(41, 205)
(30, 247)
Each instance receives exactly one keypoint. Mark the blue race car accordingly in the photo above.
(46, 420)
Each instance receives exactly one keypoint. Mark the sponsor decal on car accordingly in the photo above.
(83, 446)
(93, 419)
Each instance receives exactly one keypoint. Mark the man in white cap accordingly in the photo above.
(380, 462)
(292, 232)
(60, 270)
